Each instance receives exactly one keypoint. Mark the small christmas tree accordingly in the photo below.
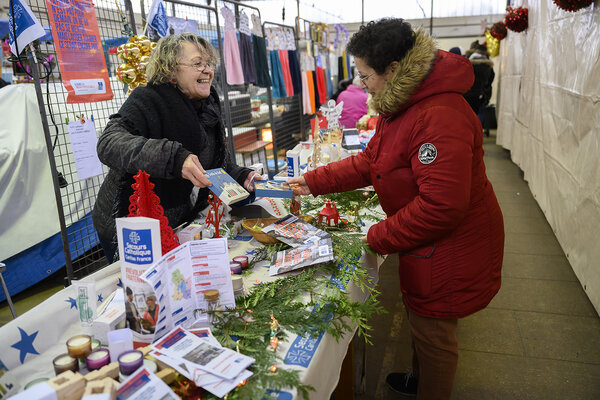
(145, 203)
(215, 213)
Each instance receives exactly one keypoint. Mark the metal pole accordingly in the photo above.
(49, 148)
(6, 294)
(129, 7)
(431, 20)
(362, 19)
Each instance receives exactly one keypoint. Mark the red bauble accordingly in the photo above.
(498, 30)
(516, 19)
(572, 5)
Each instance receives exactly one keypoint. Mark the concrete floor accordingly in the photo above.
(540, 336)
(538, 339)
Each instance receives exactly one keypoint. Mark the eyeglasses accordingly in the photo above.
(363, 79)
(200, 65)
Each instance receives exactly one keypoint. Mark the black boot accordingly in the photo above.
(405, 384)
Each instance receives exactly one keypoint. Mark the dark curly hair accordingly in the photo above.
(381, 42)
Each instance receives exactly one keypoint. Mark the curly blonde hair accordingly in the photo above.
(163, 62)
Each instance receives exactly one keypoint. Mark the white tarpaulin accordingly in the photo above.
(549, 118)
(28, 212)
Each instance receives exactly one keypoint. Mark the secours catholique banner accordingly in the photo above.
(80, 55)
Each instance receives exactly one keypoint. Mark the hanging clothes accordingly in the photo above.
(285, 70)
(329, 83)
(231, 50)
(246, 53)
(311, 92)
(261, 65)
(277, 76)
(295, 71)
(316, 86)
(345, 64)
(305, 95)
(321, 85)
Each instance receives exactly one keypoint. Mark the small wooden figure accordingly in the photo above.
(329, 215)
(167, 375)
(108, 371)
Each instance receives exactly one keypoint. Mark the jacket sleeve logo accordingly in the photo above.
(427, 153)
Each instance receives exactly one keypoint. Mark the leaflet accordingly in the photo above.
(302, 256)
(144, 385)
(180, 278)
(223, 362)
(295, 231)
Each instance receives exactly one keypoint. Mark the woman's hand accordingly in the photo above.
(299, 186)
(249, 182)
(192, 170)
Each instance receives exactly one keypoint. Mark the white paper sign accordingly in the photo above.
(83, 144)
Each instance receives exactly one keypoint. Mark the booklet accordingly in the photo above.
(225, 187)
(144, 385)
(302, 256)
(180, 278)
(274, 189)
(295, 231)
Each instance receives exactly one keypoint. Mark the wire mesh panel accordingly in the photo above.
(84, 255)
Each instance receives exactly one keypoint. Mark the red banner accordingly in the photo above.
(79, 50)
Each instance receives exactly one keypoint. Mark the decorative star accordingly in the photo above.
(120, 283)
(100, 298)
(25, 345)
(250, 252)
(72, 302)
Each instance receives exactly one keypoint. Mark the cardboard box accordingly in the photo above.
(189, 233)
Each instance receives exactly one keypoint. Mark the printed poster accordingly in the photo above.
(79, 51)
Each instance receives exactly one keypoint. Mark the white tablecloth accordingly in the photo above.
(30, 342)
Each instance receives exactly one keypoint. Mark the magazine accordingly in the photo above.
(302, 256)
(295, 231)
(225, 187)
(275, 189)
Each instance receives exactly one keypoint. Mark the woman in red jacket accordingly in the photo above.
(426, 164)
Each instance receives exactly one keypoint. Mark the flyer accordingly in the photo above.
(302, 256)
(295, 231)
(181, 277)
(220, 361)
(144, 385)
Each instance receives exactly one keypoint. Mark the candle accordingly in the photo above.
(238, 285)
(65, 362)
(242, 260)
(150, 366)
(79, 346)
(35, 382)
(130, 361)
(97, 359)
(95, 344)
(235, 267)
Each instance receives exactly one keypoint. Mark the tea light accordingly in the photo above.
(235, 267)
(97, 359)
(150, 365)
(130, 361)
(95, 344)
(242, 260)
(35, 382)
(79, 346)
(65, 362)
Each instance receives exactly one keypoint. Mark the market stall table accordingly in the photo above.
(30, 342)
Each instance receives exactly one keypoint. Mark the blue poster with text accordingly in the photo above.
(137, 246)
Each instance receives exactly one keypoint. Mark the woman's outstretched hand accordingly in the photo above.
(193, 171)
(299, 186)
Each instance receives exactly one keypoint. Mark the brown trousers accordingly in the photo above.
(435, 355)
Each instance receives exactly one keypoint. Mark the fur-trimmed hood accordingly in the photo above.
(424, 71)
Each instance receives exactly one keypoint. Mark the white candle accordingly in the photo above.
(64, 360)
(97, 354)
(130, 357)
(78, 341)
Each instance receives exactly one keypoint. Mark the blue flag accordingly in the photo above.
(157, 18)
(26, 26)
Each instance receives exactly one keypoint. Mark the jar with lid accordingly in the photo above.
(213, 304)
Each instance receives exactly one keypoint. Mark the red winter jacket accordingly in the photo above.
(426, 164)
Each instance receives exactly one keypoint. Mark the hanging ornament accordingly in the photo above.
(498, 30)
(136, 55)
(572, 5)
(516, 19)
(145, 203)
(492, 44)
(215, 213)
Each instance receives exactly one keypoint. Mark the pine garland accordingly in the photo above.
(309, 302)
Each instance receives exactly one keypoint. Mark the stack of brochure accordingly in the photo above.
(310, 245)
(197, 355)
